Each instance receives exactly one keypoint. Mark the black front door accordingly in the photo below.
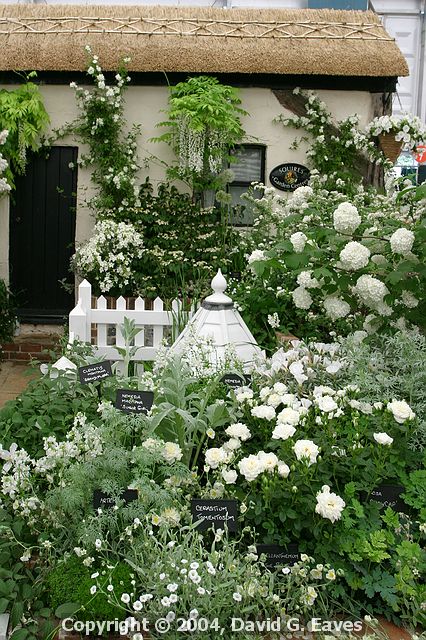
(42, 232)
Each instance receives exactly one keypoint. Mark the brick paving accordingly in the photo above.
(14, 377)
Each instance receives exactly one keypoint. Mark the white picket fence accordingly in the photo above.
(155, 324)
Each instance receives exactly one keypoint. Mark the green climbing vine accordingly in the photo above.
(24, 117)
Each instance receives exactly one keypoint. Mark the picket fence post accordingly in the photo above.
(83, 315)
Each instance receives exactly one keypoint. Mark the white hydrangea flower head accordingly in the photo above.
(354, 256)
(346, 218)
(401, 241)
(409, 299)
(298, 240)
(336, 308)
(370, 290)
(305, 279)
(256, 256)
(301, 194)
(329, 505)
(302, 298)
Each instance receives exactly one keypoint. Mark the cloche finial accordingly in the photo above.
(219, 285)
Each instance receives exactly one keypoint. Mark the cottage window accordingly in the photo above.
(248, 167)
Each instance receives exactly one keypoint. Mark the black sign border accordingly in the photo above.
(298, 184)
(134, 391)
(204, 525)
(106, 365)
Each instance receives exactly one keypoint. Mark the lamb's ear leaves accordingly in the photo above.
(67, 609)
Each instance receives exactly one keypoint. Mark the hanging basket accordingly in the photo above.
(390, 147)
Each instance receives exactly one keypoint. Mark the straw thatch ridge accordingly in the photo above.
(198, 39)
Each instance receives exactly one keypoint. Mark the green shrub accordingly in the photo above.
(7, 314)
(70, 581)
(46, 407)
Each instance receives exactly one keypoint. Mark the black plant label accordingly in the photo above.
(215, 513)
(389, 495)
(94, 372)
(234, 380)
(103, 500)
(278, 556)
(131, 401)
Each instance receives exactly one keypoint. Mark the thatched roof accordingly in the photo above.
(196, 39)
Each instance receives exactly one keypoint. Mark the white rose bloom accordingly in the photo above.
(238, 430)
(263, 411)
(336, 308)
(256, 256)
(354, 256)
(306, 450)
(302, 298)
(215, 456)
(172, 452)
(243, 393)
(327, 404)
(229, 476)
(283, 469)
(232, 444)
(298, 240)
(382, 438)
(409, 299)
(402, 241)
(250, 467)
(268, 461)
(274, 400)
(401, 411)
(280, 388)
(265, 392)
(329, 505)
(346, 218)
(288, 416)
(283, 432)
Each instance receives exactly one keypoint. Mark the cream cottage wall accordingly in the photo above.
(144, 105)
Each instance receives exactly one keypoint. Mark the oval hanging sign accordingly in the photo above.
(289, 176)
